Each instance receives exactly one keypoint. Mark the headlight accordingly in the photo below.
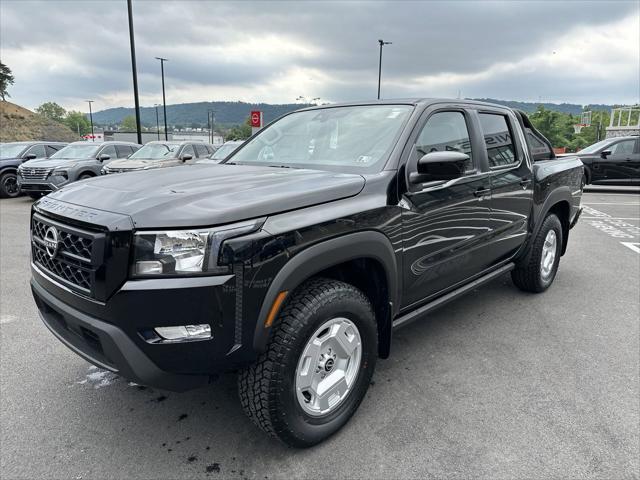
(184, 252)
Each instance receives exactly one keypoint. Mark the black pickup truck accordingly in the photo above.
(294, 260)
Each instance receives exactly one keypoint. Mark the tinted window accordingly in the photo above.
(497, 138)
(37, 150)
(202, 151)
(623, 148)
(445, 131)
(539, 150)
(109, 150)
(123, 151)
(51, 149)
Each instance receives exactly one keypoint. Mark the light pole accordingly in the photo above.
(93, 138)
(134, 71)
(381, 42)
(164, 100)
(157, 120)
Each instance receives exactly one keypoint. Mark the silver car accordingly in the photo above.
(159, 154)
(76, 161)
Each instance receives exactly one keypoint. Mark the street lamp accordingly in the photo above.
(164, 100)
(381, 42)
(93, 138)
(157, 120)
(134, 71)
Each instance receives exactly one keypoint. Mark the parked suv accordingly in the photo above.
(223, 152)
(13, 154)
(76, 161)
(160, 154)
(294, 260)
(613, 161)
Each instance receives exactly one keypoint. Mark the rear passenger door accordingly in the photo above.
(444, 224)
(511, 182)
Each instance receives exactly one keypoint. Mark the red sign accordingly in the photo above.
(256, 119)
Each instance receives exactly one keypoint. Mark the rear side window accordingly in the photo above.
(497, 138)
(202, 150)
(539, 150)
(123, 151)
(445, 131)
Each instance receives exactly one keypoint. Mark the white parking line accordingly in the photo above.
(611, 218)
(633, 246)
(601, 203)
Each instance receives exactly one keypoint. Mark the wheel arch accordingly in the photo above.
(374, 272)
(559, 203)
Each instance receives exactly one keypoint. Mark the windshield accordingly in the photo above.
(9, 150)
(224, 151)
(77, 151)
(350, 139)
(156, 151)
(596, 146)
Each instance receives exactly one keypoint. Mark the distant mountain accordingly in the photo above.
(233, 113)
(530, 107)
(186, 114)
(20, 125)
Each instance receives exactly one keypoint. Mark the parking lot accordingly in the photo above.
(499, 384)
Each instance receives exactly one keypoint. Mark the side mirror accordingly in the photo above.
(29, 156)
(186, 156)
(104, 157)
(605, 153)
(441, 166)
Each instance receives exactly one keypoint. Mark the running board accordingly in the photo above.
(439, 302)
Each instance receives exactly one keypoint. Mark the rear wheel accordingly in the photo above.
(541, 268)
(9, 185)
(84, 176)
(317, 366)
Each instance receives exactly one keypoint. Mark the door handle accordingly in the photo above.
(481, 192)
(525, 181)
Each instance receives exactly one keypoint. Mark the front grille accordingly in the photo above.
(36, 173)
(75, 260)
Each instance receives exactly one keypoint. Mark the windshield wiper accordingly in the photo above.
(281, 166)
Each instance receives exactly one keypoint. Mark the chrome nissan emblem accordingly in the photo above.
(51, 241)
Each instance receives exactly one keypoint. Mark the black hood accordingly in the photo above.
(202, 195)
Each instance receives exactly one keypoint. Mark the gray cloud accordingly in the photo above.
(275, 51)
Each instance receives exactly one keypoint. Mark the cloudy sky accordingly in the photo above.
(564, 51)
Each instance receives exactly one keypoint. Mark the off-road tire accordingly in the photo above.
(267, 388)
(528, 276)
(5, 180)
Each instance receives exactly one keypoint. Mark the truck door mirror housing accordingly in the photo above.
(29, 156)
(104, 157)
(186, 156)
(605, 153)
(442, 166)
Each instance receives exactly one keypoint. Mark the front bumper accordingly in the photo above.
(51, 184)
(108, 334)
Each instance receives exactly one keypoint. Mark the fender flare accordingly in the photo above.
(318, 257)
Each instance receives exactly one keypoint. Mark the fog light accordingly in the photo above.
(185, 332)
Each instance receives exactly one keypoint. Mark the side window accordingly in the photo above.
(109, 150)
(445, 131)
(539, 150)
(123, 151)
(37, 150)
(51, 149)
(188, 150)
(623, 148)
(202, 150)
(497, 138)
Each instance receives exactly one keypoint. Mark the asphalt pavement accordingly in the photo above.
(498, 385)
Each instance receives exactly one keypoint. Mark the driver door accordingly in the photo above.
(445, 225)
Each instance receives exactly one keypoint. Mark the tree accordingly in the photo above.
(6, 79)
(52, 110)
(78, 122)
(128, 124)
(239, 132)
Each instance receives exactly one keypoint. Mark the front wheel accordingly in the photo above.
(317, 366)
(540, 270)
(9, 185)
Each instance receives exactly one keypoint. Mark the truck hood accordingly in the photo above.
(135, 164)
(204, 195)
